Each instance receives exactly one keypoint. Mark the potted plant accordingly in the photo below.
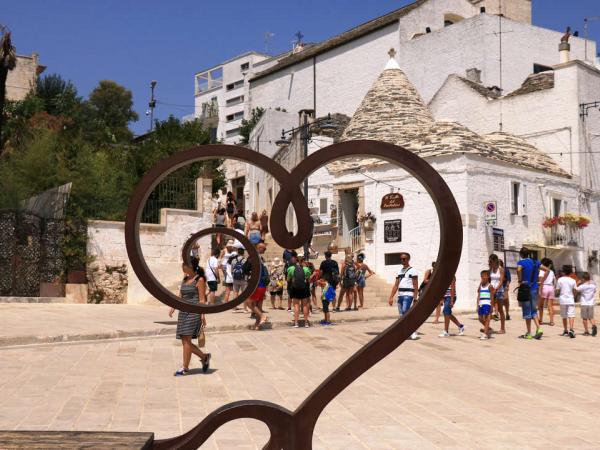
(368, 221)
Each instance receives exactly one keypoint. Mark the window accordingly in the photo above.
(235, 100)
(245, 66)
(537, 68)
(323, 206)
(558, 206)
(236, 116)
(518, 198)
(393, 259)
(238, 84)
(233, 132)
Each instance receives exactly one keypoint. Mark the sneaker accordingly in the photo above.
(444, 334)
(565, 333)
(296, 325)
(337, 309)
(572, 334)
(594, 330)
(587, 333)
(323, 322)
(461, 330)
(206, 363)
(414, 336)
(483, 337)
(508, 317)
(289, 309)
(539, 333)
(181, 372)
(526, 336)
(306, 324)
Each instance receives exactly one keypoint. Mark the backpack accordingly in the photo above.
(237, 271)
(230, 208)
(335, 276)
(329, 293)
(299, 279)
(350, 272)
(264, 275)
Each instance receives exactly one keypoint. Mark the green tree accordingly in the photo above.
(248, 125)
(8, 61)
(112, 108)
(58, 96)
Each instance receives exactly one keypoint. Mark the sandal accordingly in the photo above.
(551, 324)
(501, 332)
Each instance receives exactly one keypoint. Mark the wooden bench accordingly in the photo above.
(63, 440)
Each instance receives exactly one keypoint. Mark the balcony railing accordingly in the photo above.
(564, 235)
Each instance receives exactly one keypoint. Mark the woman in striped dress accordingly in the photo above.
(193, 289)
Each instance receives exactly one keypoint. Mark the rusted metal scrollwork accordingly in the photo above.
(294, 430)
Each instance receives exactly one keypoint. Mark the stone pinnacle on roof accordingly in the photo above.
(392, 111)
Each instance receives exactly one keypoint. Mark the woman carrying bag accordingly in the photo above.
(189, 325)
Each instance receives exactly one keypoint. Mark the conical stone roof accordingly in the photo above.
(394, 112)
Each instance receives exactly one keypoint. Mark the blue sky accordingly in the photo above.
(135, 41)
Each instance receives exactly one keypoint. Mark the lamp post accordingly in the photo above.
(305, 129)
(586, 24)
(152, 103)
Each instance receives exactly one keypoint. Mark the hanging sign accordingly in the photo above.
(392, 201)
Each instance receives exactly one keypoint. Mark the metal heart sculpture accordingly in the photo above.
(293, 430)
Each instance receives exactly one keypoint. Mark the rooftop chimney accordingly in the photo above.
(428, 30)
(564, 50)
(474, 75)
(482, 10)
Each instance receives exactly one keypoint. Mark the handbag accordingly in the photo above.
(201, 338)
(524, 290)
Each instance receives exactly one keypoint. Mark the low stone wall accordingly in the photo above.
(111, 278)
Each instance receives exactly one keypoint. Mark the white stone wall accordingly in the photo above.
(345, 73)
(473, 181)
(161, 246)
(549, 119)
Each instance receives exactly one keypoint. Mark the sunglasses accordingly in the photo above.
(403, 259)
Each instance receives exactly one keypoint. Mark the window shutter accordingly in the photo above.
(523, 191)
(511, 189)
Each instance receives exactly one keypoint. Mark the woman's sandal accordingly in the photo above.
(501, 332)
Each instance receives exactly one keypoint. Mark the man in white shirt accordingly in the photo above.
(228, 253)
(211, 273)
(587, 289)
(407, 286)
(567, 288)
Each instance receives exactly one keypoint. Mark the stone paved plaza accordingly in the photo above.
(457, 392)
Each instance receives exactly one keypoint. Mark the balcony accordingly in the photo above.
(564, 235)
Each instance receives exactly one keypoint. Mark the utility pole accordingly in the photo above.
(152, 104)
(304, 137)
(586, 24)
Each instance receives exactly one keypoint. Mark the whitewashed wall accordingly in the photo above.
(161, 246)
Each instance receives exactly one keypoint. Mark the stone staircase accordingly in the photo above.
(376, 293)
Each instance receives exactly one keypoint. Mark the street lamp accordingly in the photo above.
(305, 129)
(152, 103)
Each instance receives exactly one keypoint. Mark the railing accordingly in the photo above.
(564, 235)
(355, 239)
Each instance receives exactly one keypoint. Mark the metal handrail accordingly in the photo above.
(355, 239)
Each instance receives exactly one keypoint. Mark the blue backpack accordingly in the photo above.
(329, 293)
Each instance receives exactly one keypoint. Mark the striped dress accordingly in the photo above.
(188, 324)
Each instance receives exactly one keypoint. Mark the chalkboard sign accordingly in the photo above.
(392, 231)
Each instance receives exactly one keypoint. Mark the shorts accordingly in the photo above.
(447, 306)
(404, 303)
(484, 310)
(229, 285)
(220, 225)
(587, 312)
(567, 311)
(212, 286)
(276, 293)
(299, 294)
(258, 294)
(529, 308)
(499, 295)
(326, 305)
(239, 285)
(254, 237)
(348, 284)
(361, 282)
(548, 291)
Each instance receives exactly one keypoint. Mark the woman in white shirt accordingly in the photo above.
(547, 282)
(497, 282)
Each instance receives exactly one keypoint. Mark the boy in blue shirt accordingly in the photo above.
(528, 273)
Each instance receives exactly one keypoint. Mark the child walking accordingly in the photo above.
(327, 299)
(449, 299)
(485, 293)
(567, 289)
(587, 290)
